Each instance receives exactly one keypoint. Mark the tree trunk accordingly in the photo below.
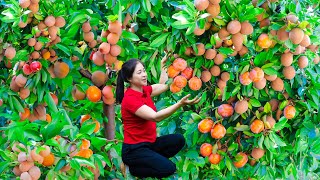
(110, 126)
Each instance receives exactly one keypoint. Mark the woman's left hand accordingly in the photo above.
(164, 75)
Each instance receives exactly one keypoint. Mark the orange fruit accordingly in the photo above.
(241, 162)
(289, 112)
(97, 128)
(225, 110)
(180, 81)
(195, 83)
(256, 74)
(214, 158)
(205, 125)
(174, 88)
(85, 144)
(48, 118)
(24, 115)
(257, 153)
(245, 78)
(218, 131)
(93, 93)
(264, 41)
(84, 118)
(257, 126)
(187, 73)
(172, 72)
(206, 149)
(85, 153)
(48, 160)
(179, 64)
(46, 55)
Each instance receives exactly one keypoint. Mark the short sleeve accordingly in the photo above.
(133, 103)
(148, 89)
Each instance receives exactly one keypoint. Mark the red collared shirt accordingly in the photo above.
(136, 129)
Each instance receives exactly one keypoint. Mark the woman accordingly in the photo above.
(144, 153)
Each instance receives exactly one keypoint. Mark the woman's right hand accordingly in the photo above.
(185, 101)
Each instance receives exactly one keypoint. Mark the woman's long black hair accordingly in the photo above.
(123, 76)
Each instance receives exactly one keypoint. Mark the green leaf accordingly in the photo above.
(146, 5)
(87, 127)
(254, 102)
(85, 161)
(225, 50)
(233, 147)
(60, 164)
(260, 141)
(277, 139)
(155, 28)
(49, 100)
(242, 128)
(267, 108)
(220, 22)
(260, 59)
(171, 127)
(74, 164)
(129, 35)
(98, 142)
(192, 154)
(17, 104)
(315, 147)
(270, 71)
(228, 163)
(3, 166)
(64, 49)
(77, 18)
(280, 124)
(159, 40)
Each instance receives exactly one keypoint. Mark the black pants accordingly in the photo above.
(151, 159)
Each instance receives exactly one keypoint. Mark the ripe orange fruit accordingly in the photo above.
(48, 118)
(241, 162)
(172, 72)
(218, 131)
(215, 158)
(245, 78)
(256, 74)
(174, 88)
(85, 153)
(61, 69)
(97, 128)
(206, 76)
(107, 92)
(187, 73)
(84, 118)
(257, 153)
(289, 112)
(46, 55)
(180, 81)
(257, 126)
(241, 106)
(206, 149)
(264, 41)
(85, 144)
(195, 83)
(24, 115)
(225, 110)
(205, 125)
(93, 93)
(179, 64)
(48, 160)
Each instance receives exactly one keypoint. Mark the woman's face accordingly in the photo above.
(139, 76)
